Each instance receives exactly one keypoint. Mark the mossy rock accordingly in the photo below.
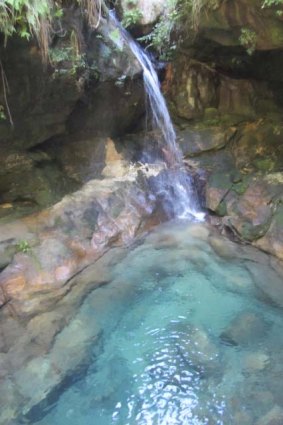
(264, 164)
(221, 210)
(241, 186)
(251, 232)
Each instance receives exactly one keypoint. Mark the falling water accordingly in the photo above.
(174, 187)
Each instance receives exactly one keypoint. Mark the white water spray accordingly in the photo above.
(175, 186)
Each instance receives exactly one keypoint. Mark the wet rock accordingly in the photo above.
(251, 215)
(43, 328)
(217, 188)
(198, 231)
(224, 247)
(245, 329)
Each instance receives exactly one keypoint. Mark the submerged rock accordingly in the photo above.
(197, 348)
(245, 329)
(256, 361)
(273, 417)
(268, 282)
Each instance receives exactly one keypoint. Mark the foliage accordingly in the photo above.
(2, 113)
(132, 14)
(248, 39)
(23, 246)
(182, 17)
(93, 11)
(273, 3)
(29, 18)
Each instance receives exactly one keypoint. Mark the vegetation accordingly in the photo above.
(29, 18)
(248, 39)
(181, 17)
(132, 15)
(277, 4)
(23, 246)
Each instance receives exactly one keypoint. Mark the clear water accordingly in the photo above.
(182, 200)
(186, 339)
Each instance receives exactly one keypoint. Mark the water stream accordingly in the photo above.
(174, 186)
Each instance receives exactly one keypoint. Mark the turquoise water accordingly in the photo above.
(187, 337)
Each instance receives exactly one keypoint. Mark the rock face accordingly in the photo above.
(225, 20)
(226, 97)
(41, 286)
(199, 91)
(51, 247)
(241, 167)
(90, 87)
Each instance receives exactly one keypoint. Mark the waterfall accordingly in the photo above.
(174, 187)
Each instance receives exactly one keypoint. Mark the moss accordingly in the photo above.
(240, 187)
(276, 33)
(265, 165)
(221, 181)
(221, 210)
(211, 114)
(251, 232)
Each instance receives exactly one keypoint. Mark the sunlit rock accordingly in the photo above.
(144, 12)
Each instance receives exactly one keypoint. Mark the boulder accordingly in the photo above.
(195, 141)
(141, 12)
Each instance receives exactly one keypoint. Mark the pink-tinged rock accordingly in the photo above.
(272, 241)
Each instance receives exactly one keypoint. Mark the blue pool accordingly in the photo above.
(190, 333)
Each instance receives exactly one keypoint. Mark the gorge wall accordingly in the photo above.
(69, 189)
(226, 94)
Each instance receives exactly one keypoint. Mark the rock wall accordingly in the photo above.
(91, 87)
(227, 103)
